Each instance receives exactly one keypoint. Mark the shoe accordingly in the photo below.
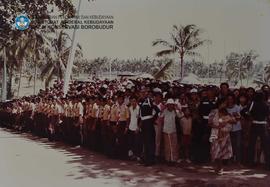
(220, 172)
(130, 153)
(179, 161)
(188, 161)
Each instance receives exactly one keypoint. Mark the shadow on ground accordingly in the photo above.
(94, 165)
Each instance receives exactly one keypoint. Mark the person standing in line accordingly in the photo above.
(245, 124)
(92, 116)
(59, 112)
(259, 112)
(148, 115)
(69, 119)
(220, 121)
(236, 133)
(171, 147)
(95, 130)
(51, 116)
(186, 124)
(158, 97)
(134, 147)
(78, 121)
(202, 146)
(193, 105)
(113, 129)
(105, 125)
(122, 127)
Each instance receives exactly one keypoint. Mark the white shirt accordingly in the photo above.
(169, 120)
(237, 125)
(134, 115)
(80, 106)
(60, 109)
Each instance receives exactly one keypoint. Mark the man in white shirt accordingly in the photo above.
(134, 146)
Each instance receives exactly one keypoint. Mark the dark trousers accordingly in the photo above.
(37, 122)
(121, 140)
(75, 131)
(96, 139)
(200, 142)
(84, 132)
(88, 126)
(236, 140)
(112, 134)
(134, 142)
(148, 137)
(104, 135)
(258, 130)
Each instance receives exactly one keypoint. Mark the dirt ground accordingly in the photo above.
(29, 161)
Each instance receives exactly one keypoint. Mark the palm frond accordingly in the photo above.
(161, 72)
(194, 34)
(165, 52)
(197, 44)
(45, 71)
(193, 53)
(188, 28)
(49, 78)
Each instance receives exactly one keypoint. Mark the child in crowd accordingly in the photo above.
(186, 125)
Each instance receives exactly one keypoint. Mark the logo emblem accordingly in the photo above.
(22, 22)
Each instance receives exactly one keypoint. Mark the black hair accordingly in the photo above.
(224, 84)
(219, 102)
(133, 97)
(259, 96)
(231, 95)
(250, 88)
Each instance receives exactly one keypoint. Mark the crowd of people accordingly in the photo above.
(151, 121)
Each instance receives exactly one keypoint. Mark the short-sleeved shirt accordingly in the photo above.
(123, 113)
(95, 111)
(235, 109)
(186, 124)
(134, 115)
(106, 112)
(114, 113)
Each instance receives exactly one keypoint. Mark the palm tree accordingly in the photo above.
(248, 63)
(39, 45)
(13, 53)
(4, 78)
(239, 66)
(57, 57)
(185, 39)
(233, 71)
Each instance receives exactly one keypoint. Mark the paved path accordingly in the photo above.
(28, 161)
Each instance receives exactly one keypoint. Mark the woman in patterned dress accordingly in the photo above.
(220, 121)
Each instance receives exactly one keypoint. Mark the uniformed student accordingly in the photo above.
(89, 120)
(122, 128)
(78, 124)
(112, 130)
(52, 120)
(96, 126)
(105, 125)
